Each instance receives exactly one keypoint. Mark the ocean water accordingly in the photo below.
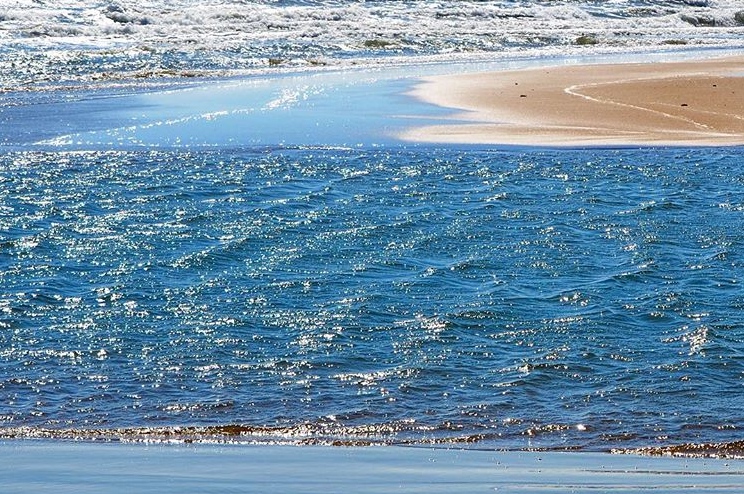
(577, 299)
(53, 42)
(256, 258)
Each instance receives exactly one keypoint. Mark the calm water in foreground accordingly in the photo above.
(66, 468)
(526, 298)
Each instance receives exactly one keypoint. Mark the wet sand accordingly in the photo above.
(66, 467)
(698, 103)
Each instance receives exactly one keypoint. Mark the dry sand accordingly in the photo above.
(698, 103)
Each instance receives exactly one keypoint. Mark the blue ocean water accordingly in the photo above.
(210, 232)
(580, 299)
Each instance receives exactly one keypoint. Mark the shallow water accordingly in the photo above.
(42, 467)
(577, 299)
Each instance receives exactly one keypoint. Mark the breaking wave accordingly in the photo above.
(56, 42)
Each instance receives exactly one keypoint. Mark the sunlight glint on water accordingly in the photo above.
(570, 298)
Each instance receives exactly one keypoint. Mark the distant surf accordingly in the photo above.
(57, 42)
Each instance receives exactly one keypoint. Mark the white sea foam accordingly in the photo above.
(55, 40)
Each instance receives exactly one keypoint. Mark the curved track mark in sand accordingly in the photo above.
(576, 88)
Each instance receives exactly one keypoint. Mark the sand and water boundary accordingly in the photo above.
(683, 103)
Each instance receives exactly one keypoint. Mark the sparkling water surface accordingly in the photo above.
(514, 298)
(209, 232)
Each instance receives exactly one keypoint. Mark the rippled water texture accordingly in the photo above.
(580, 299)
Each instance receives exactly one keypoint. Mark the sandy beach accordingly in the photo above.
(696, 103)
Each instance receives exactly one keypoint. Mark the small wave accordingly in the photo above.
(733, 450)
(329, 432)
(326, 434)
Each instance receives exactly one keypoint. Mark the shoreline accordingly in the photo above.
(216, 112)
(237, 435)
(683, 103)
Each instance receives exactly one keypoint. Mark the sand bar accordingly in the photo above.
(698, 103)
(61, 467)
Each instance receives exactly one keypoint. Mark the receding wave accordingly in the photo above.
(301, 435)
(321, 434)
(733, 449)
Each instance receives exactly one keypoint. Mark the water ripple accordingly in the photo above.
(567, 299)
